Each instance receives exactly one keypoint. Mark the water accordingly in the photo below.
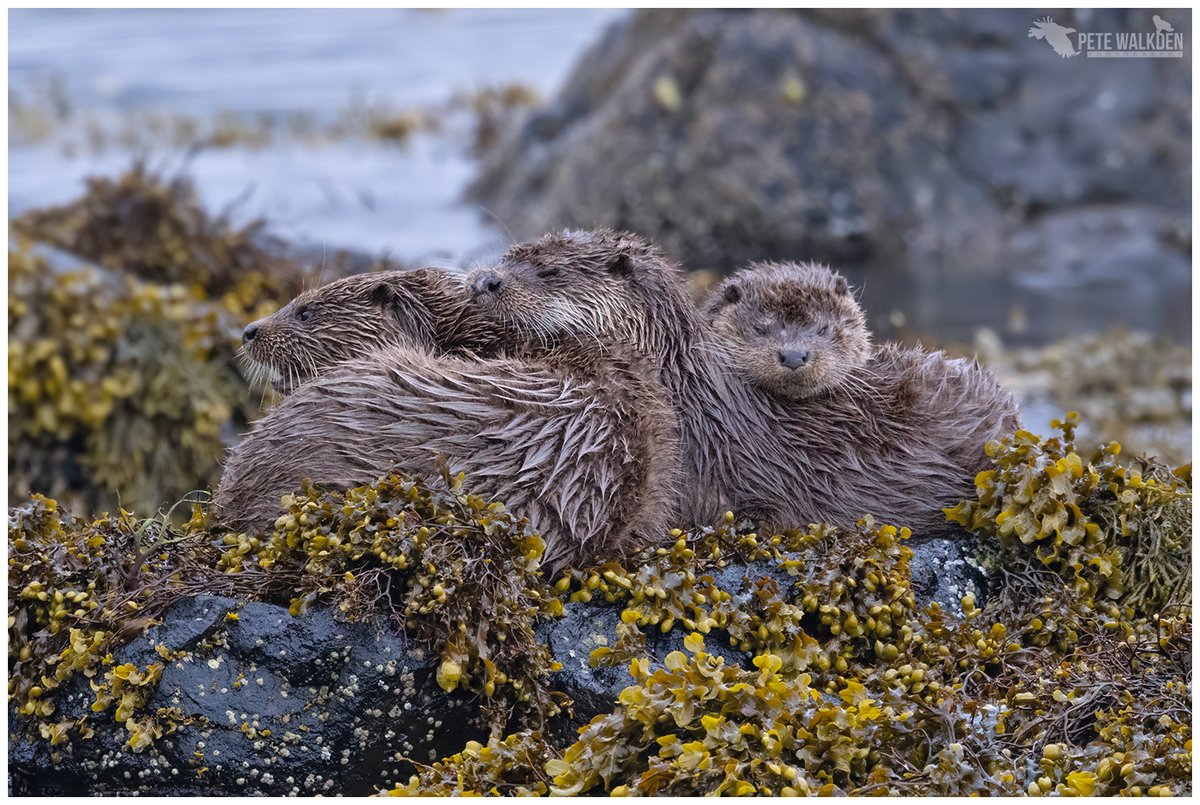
(403, 200)
(407, 200)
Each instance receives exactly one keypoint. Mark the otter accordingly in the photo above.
(356, 315)
(901, 450)
(798, 328)
(581, 442)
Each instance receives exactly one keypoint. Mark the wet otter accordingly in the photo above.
(901, 451)
(798, 327)
(582, 442)
(354, 316)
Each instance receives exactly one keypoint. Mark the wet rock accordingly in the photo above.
(940, 145)
(271, 704)
(941, 569)
(944, 571)
(265, 704)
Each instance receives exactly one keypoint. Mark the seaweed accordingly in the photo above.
(1072, 676)
(154, 227)
(122, 370)
(115, 384)
(452, 571)
(1119, 531)
(76, 590)
(512, 766)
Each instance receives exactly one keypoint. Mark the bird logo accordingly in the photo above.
(1056, 36)
(1161, 25)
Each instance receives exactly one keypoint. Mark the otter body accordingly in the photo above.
(919, 418)
(901, 439)
(581, 440)
(901, 449)
(589, 456)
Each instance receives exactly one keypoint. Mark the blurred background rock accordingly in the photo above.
(987, 196)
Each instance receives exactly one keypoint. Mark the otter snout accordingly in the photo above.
(486, 282)
(793, 358)
(249, 333)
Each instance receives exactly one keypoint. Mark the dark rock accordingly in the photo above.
(272, 704)
(931, 144)
(267, 704)
(944, 571)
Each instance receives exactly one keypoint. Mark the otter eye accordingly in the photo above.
(547, 273)
(305, 313)
(823, 330)
(761, 328)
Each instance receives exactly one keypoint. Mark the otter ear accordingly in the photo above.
(840, 287)
(384, 295)
(621, 265)
(390, 297)
(733, 295)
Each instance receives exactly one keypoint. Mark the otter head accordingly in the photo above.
(582, 286)
(349, 318)
(794, 329)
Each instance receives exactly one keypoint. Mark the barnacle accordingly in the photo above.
(79, 588)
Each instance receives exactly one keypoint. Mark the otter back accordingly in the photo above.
(902, 440)
(590, 458)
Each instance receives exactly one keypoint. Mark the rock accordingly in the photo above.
(938, 145)
(943, 571)
(343, 704)
(271, 704)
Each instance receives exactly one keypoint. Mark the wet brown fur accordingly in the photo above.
(354, 316)
(585, 447)
(581, 440)
(901, 448)
(777, 311)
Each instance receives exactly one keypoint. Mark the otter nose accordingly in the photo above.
(793, 359)
(487, 282)
(249, 333)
